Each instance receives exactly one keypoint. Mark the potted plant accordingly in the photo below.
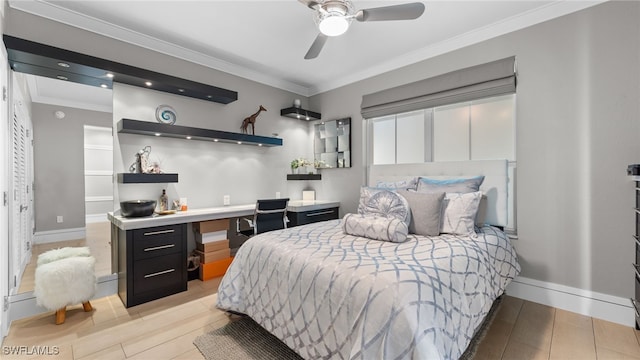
(298, 163)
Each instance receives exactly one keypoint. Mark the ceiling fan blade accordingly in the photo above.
(316, 47)
(408, 11)
(310, 4)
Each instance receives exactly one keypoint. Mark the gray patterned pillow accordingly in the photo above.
(375, 227)
(456, 185)
(385, 203)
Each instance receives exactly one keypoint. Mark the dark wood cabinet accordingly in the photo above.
(311, 216)
(152, 263)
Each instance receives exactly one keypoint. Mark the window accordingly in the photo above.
(401, 139)
(472, 130)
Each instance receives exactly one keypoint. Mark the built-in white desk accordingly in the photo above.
(214, 213)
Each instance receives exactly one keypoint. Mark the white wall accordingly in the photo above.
(207, 170)
(578, 121)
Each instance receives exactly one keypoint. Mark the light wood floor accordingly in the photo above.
(97, 238)
(166, 328)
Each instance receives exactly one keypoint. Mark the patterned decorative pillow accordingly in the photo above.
(459, 213)
(456, 185)
(375, 227)
(385, 203)
(397, 185)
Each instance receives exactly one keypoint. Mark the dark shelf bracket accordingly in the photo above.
(300, 114)
(128, 126)
(304, 177)
(135, 178)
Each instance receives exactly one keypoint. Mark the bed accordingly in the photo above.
(328, 294)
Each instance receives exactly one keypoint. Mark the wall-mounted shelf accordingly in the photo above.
(44, 60)
(304, 177)
(128, 126)
(134, 178)
(300, 114)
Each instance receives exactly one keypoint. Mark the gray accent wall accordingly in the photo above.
(59, 164)
(578, 123)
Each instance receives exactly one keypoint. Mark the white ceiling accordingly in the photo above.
(64, 93)
(266, 40)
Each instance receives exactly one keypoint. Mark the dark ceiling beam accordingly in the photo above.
(44, 60)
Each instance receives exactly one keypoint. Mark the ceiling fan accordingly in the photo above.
(334, 16)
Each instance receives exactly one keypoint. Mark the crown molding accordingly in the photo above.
(520, 21)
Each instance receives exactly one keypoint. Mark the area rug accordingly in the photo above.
(244, 339)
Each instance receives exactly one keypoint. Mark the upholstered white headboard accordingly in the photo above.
(494, 185)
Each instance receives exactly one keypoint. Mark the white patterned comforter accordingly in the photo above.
(331, 295)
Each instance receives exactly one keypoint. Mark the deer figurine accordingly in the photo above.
(251, 120)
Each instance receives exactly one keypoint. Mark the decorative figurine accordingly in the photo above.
(251, 120)
(142, 164)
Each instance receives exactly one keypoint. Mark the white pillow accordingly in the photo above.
(459, 213)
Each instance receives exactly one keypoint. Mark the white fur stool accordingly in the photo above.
(65, 277)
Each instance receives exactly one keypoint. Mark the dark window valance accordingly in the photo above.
(476, 82)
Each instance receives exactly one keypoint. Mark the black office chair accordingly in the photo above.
(269, 215)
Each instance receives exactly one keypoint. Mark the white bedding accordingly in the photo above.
(331, 295)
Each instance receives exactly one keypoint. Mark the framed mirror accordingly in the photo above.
(332, 144)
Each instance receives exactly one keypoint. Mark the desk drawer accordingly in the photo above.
(157, 241)
(157, 273)
(311, 216)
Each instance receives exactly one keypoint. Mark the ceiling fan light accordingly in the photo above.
(333, 25)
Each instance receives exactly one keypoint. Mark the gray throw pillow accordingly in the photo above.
(426, 212)
(482, 211)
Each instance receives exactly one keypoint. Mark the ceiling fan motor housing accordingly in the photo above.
(334, 17)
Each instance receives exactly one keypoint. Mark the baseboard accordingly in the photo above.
(590, 303)
(96, 218)
(24, 304)
(44, 237)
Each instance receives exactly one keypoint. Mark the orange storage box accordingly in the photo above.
(214, 269)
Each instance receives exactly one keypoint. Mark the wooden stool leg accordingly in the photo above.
(61, 315)
(87, 306)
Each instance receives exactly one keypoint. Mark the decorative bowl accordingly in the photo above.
(137, 208)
